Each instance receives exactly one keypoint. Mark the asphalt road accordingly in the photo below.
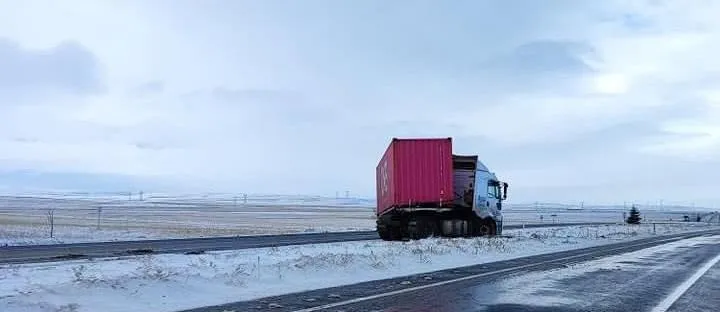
(704, 295)
(603, 278)
(58, 252)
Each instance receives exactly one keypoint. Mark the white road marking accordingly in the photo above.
(469, 277)
(680, 290)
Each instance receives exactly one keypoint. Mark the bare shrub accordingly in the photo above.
(376, 261)
(80, 275)
(71, 307)
(238, 276)
(149, 269)
(274, 250)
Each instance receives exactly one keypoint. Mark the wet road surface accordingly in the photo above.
(638, 284)
(629, 276)
(703, 296)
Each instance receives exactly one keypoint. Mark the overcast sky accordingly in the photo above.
(601, 101)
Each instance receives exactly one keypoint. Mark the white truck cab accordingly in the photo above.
(488, 199)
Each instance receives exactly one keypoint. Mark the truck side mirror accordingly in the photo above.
(505, 188)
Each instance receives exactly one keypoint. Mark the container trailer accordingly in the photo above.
(424, 190)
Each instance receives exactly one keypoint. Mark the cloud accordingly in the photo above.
(561, 96)
(546, 56)
(33, 181)
(68, 67)
(148, 88)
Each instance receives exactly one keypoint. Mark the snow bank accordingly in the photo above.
(173, 282)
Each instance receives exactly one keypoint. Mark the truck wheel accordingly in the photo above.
(422, 227)
(489, 228)
(484, 227)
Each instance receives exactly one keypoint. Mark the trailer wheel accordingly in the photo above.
(387, 231)
(433, 227)
(414, 228)
(384, 233)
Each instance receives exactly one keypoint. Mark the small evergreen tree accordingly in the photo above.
(634, 217)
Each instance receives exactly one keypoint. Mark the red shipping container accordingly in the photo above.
(415, 172)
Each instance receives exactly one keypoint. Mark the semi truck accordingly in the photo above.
(424, 190)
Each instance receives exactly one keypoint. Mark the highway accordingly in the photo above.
(678, 272)
(58, 252)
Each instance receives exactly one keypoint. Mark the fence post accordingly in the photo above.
(51, 221)
(99, 211)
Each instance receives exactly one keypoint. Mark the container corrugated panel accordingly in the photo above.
(415, 171)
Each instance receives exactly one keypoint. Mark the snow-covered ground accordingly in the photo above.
(108, 217)
(173, 282)
(25, 220)
(12, 235)
(36, 234)
(74, 227)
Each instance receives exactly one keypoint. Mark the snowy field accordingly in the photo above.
(174, 282)
(82, 218)
(109, 217)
